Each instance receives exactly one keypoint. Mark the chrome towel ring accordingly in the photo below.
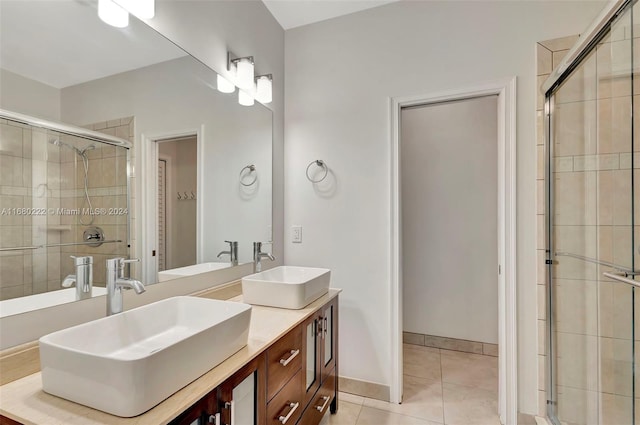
(320, 163)
(252, 169)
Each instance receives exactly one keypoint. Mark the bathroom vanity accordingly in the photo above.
(287, 374)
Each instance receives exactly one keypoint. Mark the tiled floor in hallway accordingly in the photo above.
(440, 387)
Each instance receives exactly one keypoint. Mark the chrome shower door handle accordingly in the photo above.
(622, 279)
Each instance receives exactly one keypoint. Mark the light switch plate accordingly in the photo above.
(296, 233)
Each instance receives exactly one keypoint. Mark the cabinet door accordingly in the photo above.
(311, 356)
(329, 338)
(243, 397)
(203, 412)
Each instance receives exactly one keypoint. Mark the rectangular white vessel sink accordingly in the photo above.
(191, 270)
(286, 286)
(127, 363)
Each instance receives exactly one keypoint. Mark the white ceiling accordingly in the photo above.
(63, 42)
(295, 13)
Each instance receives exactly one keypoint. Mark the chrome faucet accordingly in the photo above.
(258, 255)
(83, 279)
(116, 282)
(232, 253)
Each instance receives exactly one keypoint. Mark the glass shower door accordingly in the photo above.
(591, 232)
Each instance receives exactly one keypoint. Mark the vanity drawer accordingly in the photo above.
(321, 402)
(284, 359)
(286, 407)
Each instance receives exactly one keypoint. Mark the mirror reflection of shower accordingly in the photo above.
(82, 153)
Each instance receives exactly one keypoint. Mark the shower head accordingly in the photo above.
(88, 148)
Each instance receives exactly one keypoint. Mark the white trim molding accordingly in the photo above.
(508, 360)
(149, 216)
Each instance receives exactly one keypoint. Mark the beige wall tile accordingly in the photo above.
(412, 338)
(614, 197)
(580, 240)
(540, 162)
(541, 269)
(542, 337)
(10, 140)
(543, 59)
(614, 125)
(577, 406)
(541, 372)
(577, 361)
(613, 57)
(562, 43)
(576, 303)
(539, 95)
(615, 310)
(490, 350)
(11, 271)
(574, 131)
(540, 137)
(616, 366)
(540, 198)
(616, 409)
(542, 302)
(581, 85)
(557, 57)
(453, 344)
(575, 198)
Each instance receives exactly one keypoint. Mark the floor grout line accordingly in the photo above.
(442, 389)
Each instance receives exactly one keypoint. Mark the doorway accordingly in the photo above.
(506, 237)
(448, 164)
(176, 202)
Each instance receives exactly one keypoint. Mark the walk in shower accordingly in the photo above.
(593, 233)
(63, 193)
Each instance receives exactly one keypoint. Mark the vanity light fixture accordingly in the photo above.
(264, 88)
(112, 14)
(244, 98)
(224, 85)
(143, 9)
(243, 68)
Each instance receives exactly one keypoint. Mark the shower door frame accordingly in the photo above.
(587, 43)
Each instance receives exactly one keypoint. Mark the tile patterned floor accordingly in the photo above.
(440, 387)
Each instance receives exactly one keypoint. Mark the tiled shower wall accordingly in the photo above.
(107, 190)
(593, 185)
(549, 55)
(35, 173)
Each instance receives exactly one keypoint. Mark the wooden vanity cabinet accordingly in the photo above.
(295, 381)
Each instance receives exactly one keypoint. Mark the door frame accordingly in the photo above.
(507, 303)
(149, 172)
(169, 189)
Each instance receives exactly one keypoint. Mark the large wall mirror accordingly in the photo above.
(198, 171)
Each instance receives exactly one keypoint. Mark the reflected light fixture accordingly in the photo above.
(243, 71)
(143, 9)
(244, 98)
(264, 88)
(112, 14)
(224, 85)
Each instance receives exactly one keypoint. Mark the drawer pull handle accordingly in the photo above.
(294, 407)
(326, 401)
(294, 354)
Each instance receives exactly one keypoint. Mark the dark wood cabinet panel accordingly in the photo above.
(284, 359)
(287, 406)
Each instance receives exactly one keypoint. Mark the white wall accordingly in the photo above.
(29, 97)
(340, 75)
(207, 30)
(449, 166)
